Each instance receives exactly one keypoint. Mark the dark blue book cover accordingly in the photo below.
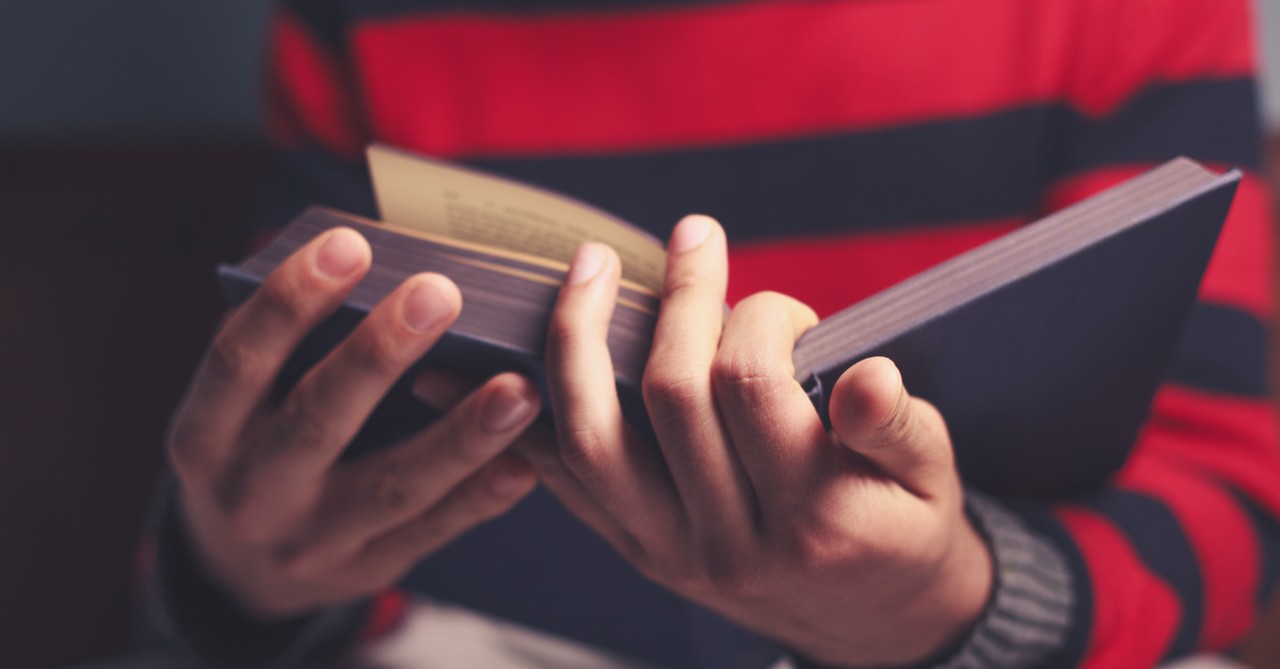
(1042, 349)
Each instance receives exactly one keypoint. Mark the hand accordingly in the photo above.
(851, 547)
(275, 517)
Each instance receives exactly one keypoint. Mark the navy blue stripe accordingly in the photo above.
(957, 170)
(1223, 350)
(326, 20)
(1267, 529)
(961, 169)
(393, 8)
(1210, 120)
(299, 178)
(1163, 547)
(1041, 521)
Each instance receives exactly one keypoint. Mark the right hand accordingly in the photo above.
(274, 516)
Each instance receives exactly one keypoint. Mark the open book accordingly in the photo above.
(1042, 348)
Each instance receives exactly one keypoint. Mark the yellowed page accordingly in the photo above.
(452, 201)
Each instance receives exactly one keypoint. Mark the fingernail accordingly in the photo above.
(424, 308)
(690, 233)
(505, 483)
(587, 263)
(340, 254)
(505, 409)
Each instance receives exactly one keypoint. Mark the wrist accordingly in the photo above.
(207, 621)
(1032, 603)
(1026, 617)
(924, 614)
(945, 610)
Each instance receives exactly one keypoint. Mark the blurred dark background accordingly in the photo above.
(129, 166)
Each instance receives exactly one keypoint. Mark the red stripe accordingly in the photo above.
(311, 94)
(1128, 44)
(1232, 439)
(617, 80)
(1211, 519)
(1241, 272)
(1135, 614)
(831, 273)
(387, 612)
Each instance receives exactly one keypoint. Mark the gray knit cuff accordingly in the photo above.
(1032, 604)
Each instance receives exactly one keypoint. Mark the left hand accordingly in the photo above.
(849, 546)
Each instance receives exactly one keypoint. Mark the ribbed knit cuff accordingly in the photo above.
(1032, 602)
(208, 625)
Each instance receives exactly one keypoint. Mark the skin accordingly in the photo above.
(276, 519)
(850, 546)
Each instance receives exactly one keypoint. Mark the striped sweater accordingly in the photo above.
(845, 145)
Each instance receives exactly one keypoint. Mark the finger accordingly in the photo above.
(772, 423)
(326, 408)
(873, 415)
(442, 389)
(677, 383)
(368, 496)
(538, 447)
(486, 495)
(623, 474)
(247, 353)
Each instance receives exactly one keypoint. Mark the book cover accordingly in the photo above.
(1042, 348)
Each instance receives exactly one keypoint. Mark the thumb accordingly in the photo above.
(873, 415)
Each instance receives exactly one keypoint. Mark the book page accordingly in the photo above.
(460, 203)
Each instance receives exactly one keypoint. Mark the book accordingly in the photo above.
(1042, 349)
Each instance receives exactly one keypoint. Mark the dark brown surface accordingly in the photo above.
(107, 296)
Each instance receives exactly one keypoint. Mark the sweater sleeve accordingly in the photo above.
(316, 132)
(1179, 553)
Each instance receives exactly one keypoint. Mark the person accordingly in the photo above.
(844, 145)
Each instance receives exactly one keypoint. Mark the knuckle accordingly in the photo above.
(716, 572)
(814, 547)
(746, 367)
(583, 455)
(231, 357)
(767, 300)
(306, 427)
(683, 279)
(563, 335)
(671, 388)
(897, 426)
(250, 526)
(282, 296)
(391, 489)
(378, 353)
(744, 373)
(806, 552)
(717, 568)
(682, 574)
(732, 576)
(580, 448)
